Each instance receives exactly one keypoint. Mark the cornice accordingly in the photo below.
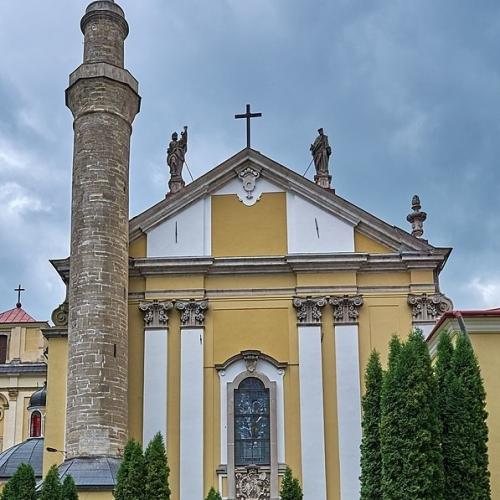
(21, 368)
(284, 264)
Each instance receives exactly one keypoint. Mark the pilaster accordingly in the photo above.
(191, 419)
(312, 425)
(9, 435)
(154, 416)
(346, 310)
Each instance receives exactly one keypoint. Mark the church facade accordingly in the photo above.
(236, 316)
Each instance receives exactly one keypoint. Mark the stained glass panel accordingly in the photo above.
(251, 423)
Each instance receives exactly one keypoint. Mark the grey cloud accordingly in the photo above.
(408, 93)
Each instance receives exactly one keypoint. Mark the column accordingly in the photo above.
(154, 416)
(346, 313)
(9, 431)
(191, 432)
(312, 430)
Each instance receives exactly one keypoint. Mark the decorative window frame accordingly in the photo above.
(6, 333)
(32, 411)
(252, 364)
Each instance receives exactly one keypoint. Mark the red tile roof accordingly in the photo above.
(16, 315)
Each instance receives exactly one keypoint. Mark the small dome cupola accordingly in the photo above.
(39, 398)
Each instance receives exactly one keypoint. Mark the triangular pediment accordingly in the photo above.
(274, 177)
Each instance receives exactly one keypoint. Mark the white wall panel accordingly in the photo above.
(184, 234)
(191, 438)
(155, 384)
(348, 409)
(313, 230)
(312, 430)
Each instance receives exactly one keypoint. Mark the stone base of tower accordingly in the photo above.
(95, 478)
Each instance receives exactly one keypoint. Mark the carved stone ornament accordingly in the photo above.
(60, 314)
(192, 312)
(13, 394)
(155, 313)
(346, 308)
(252, 484)
(249, 178)
(309, 309)
(251, 359)
(429, 307)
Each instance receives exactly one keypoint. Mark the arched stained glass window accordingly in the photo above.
(36, 424)
(251, 423)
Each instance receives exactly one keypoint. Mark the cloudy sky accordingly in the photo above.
(408, 92)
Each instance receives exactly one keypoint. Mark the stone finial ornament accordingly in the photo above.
(176, 155)
(346, 308)
(429, 307)
(192, 312)
(156, 313)
(309, 309)
(416, 218)
(321, 152)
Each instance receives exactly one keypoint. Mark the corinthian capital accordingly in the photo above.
(155, 313)
(309, 309)
(346, 308)
(192, 312)
(429, 307)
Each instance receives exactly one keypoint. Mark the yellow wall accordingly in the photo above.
(96, 495)
(138, 247)
(56, 401)
(238, 230)
(365, 244)
(486, 346)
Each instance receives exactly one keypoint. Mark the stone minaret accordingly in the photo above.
(104, 100)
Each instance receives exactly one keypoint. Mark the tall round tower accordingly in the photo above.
(104, 100)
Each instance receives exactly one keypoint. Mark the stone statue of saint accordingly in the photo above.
(176, 155)
(321, 152)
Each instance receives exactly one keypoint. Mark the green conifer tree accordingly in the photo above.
(69, 491)
(51, 488)
(131, 475)
(213, 495)
(410, 433)
(157, 470)
(22, 485)
(371, 457)
(395, 346)
(456, 448)
(473, 404)
(290, 487)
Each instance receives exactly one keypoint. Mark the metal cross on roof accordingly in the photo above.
(19, 290)
(248, 115)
